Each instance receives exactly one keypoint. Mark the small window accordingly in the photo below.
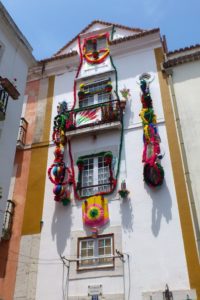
(96, 253)
(95, 176)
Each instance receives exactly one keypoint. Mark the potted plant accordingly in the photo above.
(125, 94)
(108, 158)
(123, 192)
(81, 93)
(108, 87)
(80, 164)
(95, 54)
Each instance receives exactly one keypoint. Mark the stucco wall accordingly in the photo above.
(186, 80)
(14, 63)
(149, 219)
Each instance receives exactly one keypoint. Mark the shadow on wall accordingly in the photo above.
(162, 205)
(126, 211)
(61, 226)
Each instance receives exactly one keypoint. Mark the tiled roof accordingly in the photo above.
(183, 49)
(114, 42)
(70, 54)
(103, 23)
(182, 59)
(133, 37)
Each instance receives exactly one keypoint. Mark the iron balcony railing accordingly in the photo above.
(97, 114)
(22, 133)
(3, 102)
(8, 220)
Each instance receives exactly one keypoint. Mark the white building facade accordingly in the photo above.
(182, 68)
(15, 59)
(107, 221)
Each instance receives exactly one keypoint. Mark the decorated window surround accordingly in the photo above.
(95, 92)
(95, 250)
(98, 188)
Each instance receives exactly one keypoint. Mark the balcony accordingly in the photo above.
(8, 220)
(22, 133)
(6, 89)
(98, 117)
(3, 103)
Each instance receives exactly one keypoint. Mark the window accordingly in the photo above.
(96, 253)
(95, 176)
(95, 93)
(96, 44)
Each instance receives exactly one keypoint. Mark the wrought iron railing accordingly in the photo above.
(3, 102)
(22, 132)
(97, 114)
(8, 220)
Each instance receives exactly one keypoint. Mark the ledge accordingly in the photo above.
(94, 128)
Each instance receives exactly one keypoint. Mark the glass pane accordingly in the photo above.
(83, 244)
(108, 242)
(90, 252)
(101, 243)
(101, 251)
(83, 253)
(108, 250)
(90, 244)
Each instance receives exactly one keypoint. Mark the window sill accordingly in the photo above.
(95, 268)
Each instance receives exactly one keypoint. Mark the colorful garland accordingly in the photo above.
(108, 156)
(153, 171)
(95, 56)
(59, 174)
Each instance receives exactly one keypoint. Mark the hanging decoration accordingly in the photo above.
(58, 173)
(153, 171)
(123, 192)
(95, 55)
(95, 212)
(61, 176)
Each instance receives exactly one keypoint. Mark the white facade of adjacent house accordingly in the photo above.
(184, 79)
(143, 237)
(15, 59)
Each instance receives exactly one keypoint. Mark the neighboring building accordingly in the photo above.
(15, 59)
(183, 69)
(120, 227)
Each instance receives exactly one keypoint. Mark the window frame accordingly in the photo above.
(96, 186)
(92, 93)
(95, 266)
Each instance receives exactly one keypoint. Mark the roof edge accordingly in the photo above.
(92, 23)
(15, 28)
(114, 42)
(180, 50)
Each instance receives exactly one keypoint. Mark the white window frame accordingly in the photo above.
(96, 260)
(95, 174)
(92, 99)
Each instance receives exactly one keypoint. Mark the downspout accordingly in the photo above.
(169, 73)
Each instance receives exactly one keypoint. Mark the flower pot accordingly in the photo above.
(123, 104)
(95, 54)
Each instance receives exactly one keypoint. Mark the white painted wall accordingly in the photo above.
(14, 63)
(149, 219)
(186, 79)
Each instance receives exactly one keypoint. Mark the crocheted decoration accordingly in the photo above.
(153, 171)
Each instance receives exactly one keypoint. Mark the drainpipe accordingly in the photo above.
(169, 73)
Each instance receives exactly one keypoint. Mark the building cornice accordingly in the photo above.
(181, 60)
(181, 50)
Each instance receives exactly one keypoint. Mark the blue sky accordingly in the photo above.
(50, 24)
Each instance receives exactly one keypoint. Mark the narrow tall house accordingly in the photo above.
(100, 183)
(15, 60)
